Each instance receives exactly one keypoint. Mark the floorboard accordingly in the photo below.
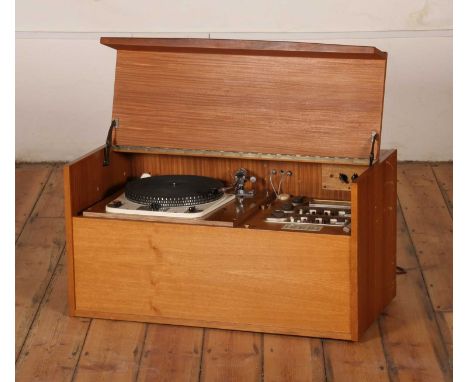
(29, 182)
(171, 353)
(356, 361)
(37, 253)
(55, 340)
(50, 204)
(444, 175)
(430, 227)
(230, 356)
(292, 359)
(111, 351)
(445, 321)
(413, 344)
(412, 340)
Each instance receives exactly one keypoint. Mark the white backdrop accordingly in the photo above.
(64, 78)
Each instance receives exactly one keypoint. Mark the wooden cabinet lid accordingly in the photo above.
(248, 97)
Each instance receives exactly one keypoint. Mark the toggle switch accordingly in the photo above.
(343, 178)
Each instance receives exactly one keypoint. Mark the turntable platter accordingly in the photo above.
(174, 190)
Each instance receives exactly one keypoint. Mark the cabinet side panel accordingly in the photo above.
(390, 224)
(237, 278)
(90, 181)
(86, 181)
(373, 248)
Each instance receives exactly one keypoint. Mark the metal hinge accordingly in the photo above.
(374, 136)
(107, 149)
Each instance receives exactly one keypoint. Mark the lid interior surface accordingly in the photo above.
(323, 102)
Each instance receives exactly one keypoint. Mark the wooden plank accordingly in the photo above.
(55, 340)
(445, 320)
(231, 356)
(413, 344)
(111, 352)
(255, 287)
(356, 361)
(444, 176)
(29, 182)
(37, 253)
(191, 100)
(50, 204)
(294, 359)
(171, 353)
(430, 227)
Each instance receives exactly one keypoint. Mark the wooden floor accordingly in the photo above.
(411, 341)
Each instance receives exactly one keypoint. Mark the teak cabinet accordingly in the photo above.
(208, 107)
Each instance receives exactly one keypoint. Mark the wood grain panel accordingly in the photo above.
(299, 282)
(373, 259)
(306, 178)
(87, 181)
(265, 104)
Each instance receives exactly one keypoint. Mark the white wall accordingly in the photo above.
(65, 78)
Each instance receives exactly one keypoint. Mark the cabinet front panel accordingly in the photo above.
(284, 282)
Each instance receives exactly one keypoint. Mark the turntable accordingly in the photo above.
(241, 186)
(177, 196)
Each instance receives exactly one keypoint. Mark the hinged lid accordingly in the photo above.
(248, 98)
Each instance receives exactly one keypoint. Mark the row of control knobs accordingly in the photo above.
(288, 208)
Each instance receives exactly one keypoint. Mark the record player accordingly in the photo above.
(241, 186)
